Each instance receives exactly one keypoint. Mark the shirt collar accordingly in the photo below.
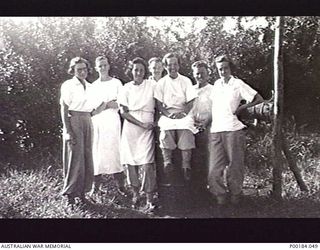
(197, 85)
(172, 78)
(229, 82)
(77, 81)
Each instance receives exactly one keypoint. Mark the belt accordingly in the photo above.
(78, 113)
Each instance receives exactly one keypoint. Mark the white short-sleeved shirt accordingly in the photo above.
(202, 105)
(107, 90)
(138, 97)
(175, 93)
(76, 97)
(225, 101)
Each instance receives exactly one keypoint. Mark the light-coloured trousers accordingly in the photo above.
(226, 152)
(148, 182)
(167, 159)
(172, 139)
(77, 159)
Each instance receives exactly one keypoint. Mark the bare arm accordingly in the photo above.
(112, 105)
(162, 110)
(105, 105)
(179, 115)
(256, 100)
(189, 106)
(66, 122)
(126, 115)
(186, 110)
(99, 109)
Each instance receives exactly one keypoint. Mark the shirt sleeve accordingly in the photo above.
(246, 92)
(119, 87)
(64, 94)
(158, 90)
(122, 96)
(191, 92)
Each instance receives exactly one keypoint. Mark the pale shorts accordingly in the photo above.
(180, 138)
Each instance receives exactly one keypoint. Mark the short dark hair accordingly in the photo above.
(137, 60)
(77, 60)
(100, 58)
(170, 55)
(200, 64)
(154, 59)
(225, 58)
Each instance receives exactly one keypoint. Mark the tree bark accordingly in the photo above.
(293, 166)
(278, 111)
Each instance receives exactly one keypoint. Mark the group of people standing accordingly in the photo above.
(170, 110)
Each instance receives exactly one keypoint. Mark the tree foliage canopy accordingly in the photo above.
(35, 55)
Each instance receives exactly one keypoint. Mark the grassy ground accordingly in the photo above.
(35, 194)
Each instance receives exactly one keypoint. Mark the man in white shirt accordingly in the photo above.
(227, 135)
(201, 113)
(155, 67)
(175, 94)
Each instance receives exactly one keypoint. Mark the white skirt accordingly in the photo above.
(137, 144)
(106, 142)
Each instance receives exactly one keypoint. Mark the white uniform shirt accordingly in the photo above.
(175, 93)
(107, 90)
(76, 97)
(225, 101)
(201, 109)
(138, 97)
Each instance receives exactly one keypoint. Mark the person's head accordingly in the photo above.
(102, 65)
(172, 64)
(200, 72)
(155, 67)
(79, 67)
(138, 69)
(224, 66)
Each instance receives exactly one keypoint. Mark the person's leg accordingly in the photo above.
(133, 178)
(74, 162)
(88, 158)
(186, 143)
(199, 160)
(158, 155)
(186, 164)
(217, 164)
(96, 185)
(120, 182)
(149, 184)
(201, 155)
(167, 144)
(235, 146)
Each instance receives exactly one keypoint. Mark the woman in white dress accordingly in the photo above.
(137, 141)
(106, 128)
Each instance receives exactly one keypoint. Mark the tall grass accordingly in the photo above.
(32, 194)
(305, 149)
(35, 193)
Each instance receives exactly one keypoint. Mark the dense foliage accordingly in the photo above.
(34, 58)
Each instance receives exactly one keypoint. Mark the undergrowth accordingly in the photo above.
(35, 193)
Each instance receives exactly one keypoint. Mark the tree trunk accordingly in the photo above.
(278, 111)
(293, 166)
